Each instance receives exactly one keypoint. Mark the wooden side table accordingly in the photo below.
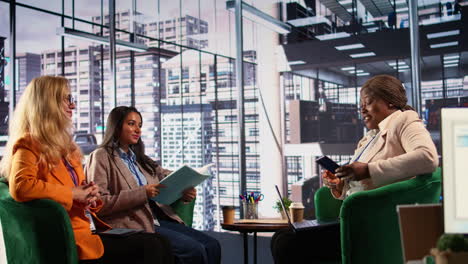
(258, 226)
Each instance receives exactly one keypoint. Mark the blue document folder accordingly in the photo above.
(176, 182)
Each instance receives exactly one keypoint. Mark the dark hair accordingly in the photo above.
(387, 88)
(111, 142)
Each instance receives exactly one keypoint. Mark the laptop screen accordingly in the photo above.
(282, 204)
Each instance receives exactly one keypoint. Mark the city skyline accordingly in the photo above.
(183, 78)
(38, 32)
(82, 63)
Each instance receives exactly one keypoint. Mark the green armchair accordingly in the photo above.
(39, 232)
(369, 222)
(184, 211)
(36, 232)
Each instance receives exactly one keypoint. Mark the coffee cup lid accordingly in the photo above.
(296, 205)
(228, 207)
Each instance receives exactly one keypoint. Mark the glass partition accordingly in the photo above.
(184, 80)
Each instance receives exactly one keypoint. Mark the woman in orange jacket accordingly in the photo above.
(41, 161)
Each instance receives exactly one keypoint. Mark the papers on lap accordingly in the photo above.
(120, 232)
(179, 180)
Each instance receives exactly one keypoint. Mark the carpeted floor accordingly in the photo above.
(233, 248)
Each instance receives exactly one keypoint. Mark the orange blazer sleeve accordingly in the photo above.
(25, 183)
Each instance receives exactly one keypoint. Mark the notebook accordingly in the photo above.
(120, 232)
(305, 224)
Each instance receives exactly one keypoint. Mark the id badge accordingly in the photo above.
(91, 221)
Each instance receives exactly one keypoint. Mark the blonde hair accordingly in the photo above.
(40, 115)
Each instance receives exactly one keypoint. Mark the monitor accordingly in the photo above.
(454, 135)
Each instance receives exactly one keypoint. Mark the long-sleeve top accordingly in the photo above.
(400, 149)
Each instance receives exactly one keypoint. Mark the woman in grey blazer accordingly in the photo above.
(128, 179)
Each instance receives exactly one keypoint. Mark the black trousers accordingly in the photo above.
(139, 248)
(311, 246)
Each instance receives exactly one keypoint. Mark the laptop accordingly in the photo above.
(305, 224)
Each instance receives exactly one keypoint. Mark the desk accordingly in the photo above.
(244, 229)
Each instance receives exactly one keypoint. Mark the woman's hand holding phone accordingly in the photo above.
(355, 171)
(334, 183)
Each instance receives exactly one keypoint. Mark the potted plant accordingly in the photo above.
(287, 202)
(451, 249)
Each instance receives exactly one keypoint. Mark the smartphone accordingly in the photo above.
(328, 164)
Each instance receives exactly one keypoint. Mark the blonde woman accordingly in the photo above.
(41, 161)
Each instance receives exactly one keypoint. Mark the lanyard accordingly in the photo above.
(71, 171)
(367, 145)
(74, 177)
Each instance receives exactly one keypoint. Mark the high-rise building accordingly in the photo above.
(82, 71)
(123, 21)
(187, 31)
(200, 83)
(186, 139)
(3, 104)
(28, 68)
(149, 92)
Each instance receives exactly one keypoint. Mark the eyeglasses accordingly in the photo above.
(70, 99)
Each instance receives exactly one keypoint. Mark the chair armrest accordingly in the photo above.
(38, 231)
(184, 211)
(327, 208)
(369, 222)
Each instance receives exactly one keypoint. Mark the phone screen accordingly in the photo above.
(328, 164)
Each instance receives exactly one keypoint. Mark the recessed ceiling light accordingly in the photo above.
(445, 44)
(348, 68)
(333, 36)
(350, 46)
(363, 74)
(400, 63)
(443, 34)
(450, 65)
(357, 71)
(401, 67)
(450, 61)
(400, 2)
(403, 70)
(296, 62)
(345, 2)
(360, 55)
(403, 9)
(451, 57)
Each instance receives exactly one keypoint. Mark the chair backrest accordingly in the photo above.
(369, 221)
(184, 211)
(36, 232)
(326, 206)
